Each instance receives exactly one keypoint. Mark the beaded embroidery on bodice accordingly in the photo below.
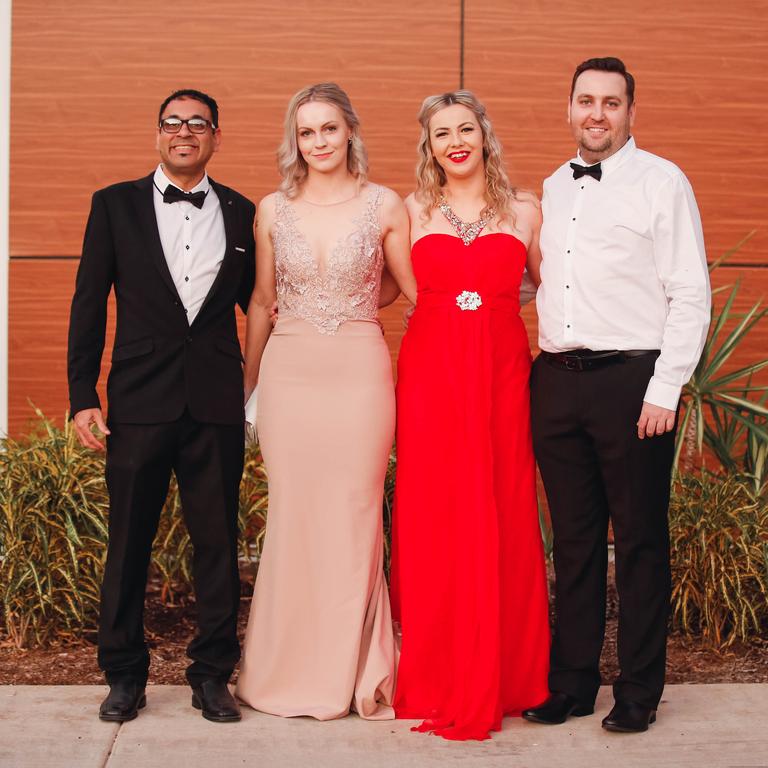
(347, 287)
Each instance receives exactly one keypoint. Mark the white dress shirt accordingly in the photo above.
(193, 240)
(624, 266)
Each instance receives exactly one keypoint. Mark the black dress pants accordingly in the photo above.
(208, 462)
(595, 468)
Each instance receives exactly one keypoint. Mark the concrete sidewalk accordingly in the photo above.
(703, 726)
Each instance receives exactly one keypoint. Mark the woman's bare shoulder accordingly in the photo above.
(267, 209)
(414, 205)
(525, 198)
(269, 202)
(526, 207)
(389, 198)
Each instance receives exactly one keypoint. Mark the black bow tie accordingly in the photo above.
(595, 171)
(175, 195)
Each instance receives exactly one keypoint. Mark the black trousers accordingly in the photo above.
(595, 467)
(208, 462)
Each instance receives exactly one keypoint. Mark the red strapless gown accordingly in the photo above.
(468, 573)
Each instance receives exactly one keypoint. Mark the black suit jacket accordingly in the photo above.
(160, 364)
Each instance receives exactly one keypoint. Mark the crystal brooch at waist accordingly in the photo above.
(469, 300)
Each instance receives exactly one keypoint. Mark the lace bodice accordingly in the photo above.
(346, 286)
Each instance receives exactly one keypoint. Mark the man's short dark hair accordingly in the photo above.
(191, 93)
(606, 64)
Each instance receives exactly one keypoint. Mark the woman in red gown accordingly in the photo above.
(468, 573)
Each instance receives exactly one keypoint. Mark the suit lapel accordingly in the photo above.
(228, 214)
(145, 212)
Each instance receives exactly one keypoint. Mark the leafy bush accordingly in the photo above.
(719, 539)
(719, 522)
(53, 534)
(53, 503)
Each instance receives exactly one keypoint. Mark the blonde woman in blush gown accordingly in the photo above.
(319, 640)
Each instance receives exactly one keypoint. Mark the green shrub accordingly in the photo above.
(719, 540)
(53, 534)
(53, 503)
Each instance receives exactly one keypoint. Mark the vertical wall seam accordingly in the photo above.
(461, 43)
(5, 181)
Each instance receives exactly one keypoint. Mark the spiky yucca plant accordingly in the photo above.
(725, 412)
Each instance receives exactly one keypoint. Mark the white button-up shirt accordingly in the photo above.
(624, 266)
(193, 240)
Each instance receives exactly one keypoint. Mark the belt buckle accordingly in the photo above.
(572, 363)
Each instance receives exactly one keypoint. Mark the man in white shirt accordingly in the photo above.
(178, 250)
(624, 307)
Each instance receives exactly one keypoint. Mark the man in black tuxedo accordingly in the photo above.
(178, 248)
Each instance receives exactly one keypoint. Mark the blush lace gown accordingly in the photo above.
(319, 640)
(468, 575)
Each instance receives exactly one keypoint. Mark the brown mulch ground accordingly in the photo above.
(170, 628)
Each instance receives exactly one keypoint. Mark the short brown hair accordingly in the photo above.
(606, 64)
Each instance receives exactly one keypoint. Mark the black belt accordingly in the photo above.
(590, 360)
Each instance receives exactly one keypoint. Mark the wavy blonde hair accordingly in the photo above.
(430, 177)
(290, 163)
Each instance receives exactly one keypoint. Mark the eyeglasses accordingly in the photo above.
(195, 124)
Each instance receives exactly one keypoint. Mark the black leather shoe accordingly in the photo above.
(557, 709)
(217, 703)
(628, 717)
(123, 702)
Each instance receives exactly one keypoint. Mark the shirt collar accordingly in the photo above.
(162, 181)
(612, 162)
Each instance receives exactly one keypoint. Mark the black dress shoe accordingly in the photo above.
(123, 702)
(556, 709)
(217, 703)
(628, 717)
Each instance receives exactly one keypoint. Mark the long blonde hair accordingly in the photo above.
(430, 177)
(290, 163)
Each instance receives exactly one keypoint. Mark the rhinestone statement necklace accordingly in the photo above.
(467, 231)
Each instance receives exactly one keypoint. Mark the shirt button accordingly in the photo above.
(582, 186)
(187, 247)
(568, 326)
(186, 279)
(568, 251)
(187, 217)
(573, 219)
(567, 286)
(189, 338)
